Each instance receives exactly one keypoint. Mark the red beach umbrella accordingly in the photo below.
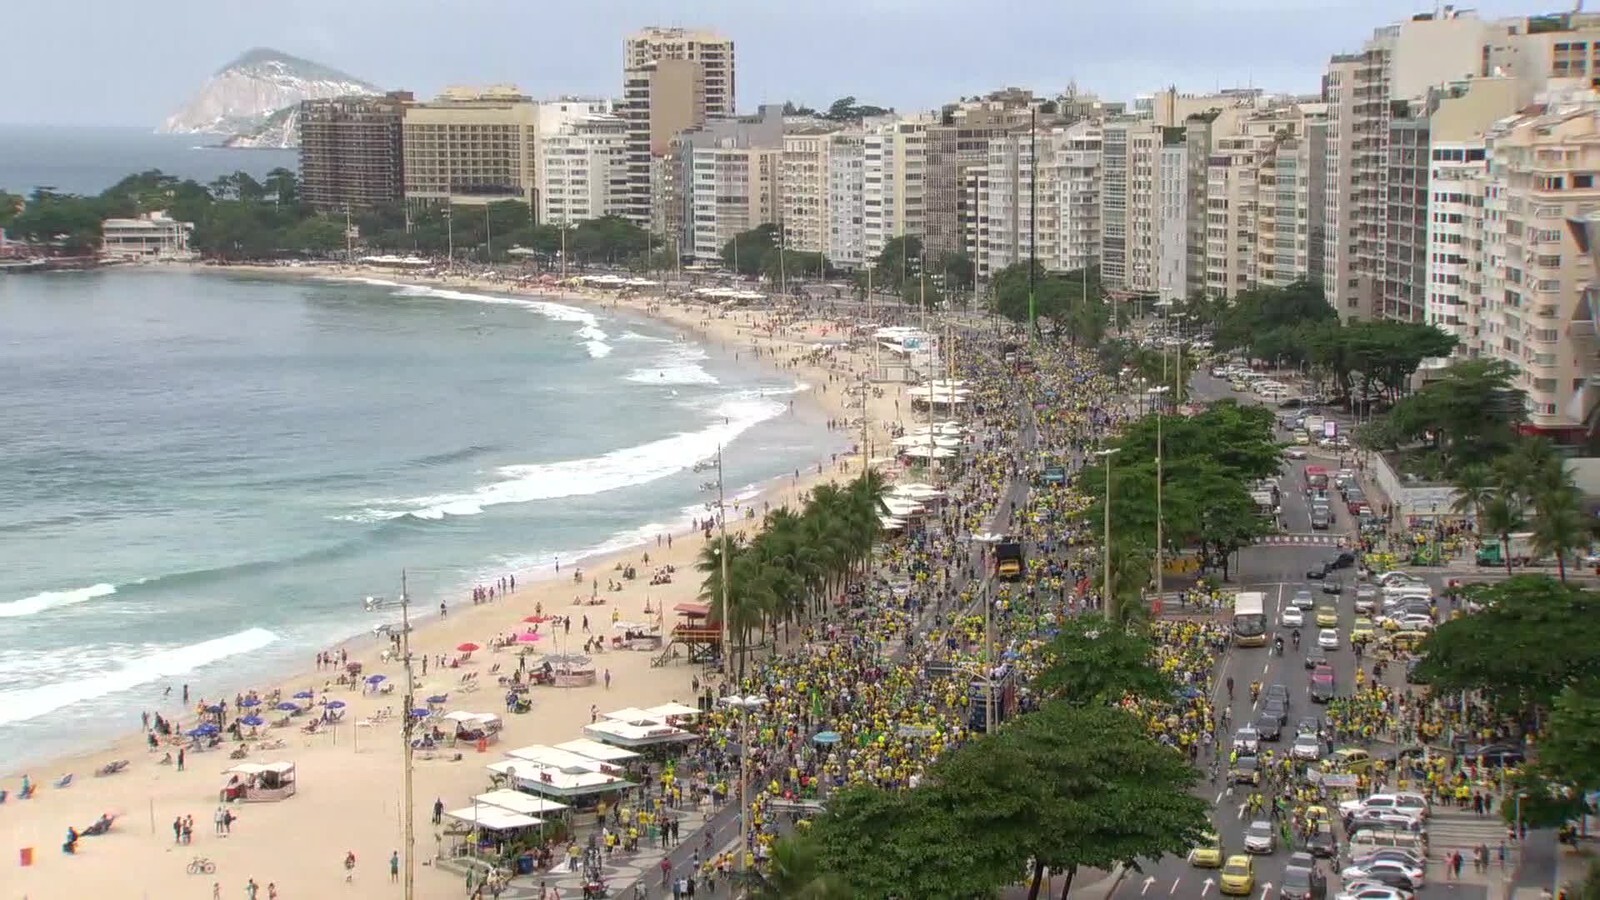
(468, 647)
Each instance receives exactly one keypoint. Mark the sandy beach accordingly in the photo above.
(349, 776)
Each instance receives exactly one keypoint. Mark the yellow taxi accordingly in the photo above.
(1327, 616)
(1239, 876)
(1406, 640)
(1351, 759)
(1208, 855)
(1302, 438)
(1241, 386)
(1362, 631)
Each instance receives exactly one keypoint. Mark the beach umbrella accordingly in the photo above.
(199, 732)
(528, 637)
(374, 679)
(535, 620)
(214, 708)
(438, 698)
(250, 703)
(303, 695)
(468, 647)
(827, 738)
(286, 706)
(252, 721)
(419, 714)
(336, 704)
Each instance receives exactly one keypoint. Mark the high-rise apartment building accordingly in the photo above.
(674, 80)
(804, 187)
(1128, 203)
(847, 237)
(1539, 208)
(748, 182)
(959, 140)
(351, 154)
(472, 147)
(583, 169)
(1065, 234)
(894, 169)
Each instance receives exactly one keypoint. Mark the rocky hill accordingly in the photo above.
(252, 101)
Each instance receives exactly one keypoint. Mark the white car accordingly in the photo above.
(1414, 622)
(1260, 837)
(1403, 801)
(1416, 874)
(1306, 747)
(1293, 617)
(1295, 453)
(1373, 892)
(1397, 578)
(1328, 638)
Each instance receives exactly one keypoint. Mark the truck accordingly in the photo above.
(1521, 546)
(1009, 564)
(1313, 427)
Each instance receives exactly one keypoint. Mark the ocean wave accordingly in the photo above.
(48, 600)
(31, 703)
(589, 332)
(597, 475)
(680, 365)
(636, 336)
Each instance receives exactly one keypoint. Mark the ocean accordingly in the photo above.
(84, 160)
(202, 476)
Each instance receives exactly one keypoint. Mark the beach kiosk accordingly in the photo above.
(253, 782)
(638, 734)
(564, 784)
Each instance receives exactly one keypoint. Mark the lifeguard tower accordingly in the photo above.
(701, 640)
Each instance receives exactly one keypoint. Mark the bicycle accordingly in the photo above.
(201, 866)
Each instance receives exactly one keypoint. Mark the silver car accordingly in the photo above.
(1307, 747)
(1260, 837)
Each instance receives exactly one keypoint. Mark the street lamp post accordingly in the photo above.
(744, 706)
(1159, 405)
(1105, 563)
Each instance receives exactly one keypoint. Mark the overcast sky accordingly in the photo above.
(117, 63)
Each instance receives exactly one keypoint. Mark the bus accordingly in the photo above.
(1250, 619)
(1316, 478)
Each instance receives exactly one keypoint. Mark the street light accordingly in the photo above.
(1106, 562)
(744, 706)
(1160, 407)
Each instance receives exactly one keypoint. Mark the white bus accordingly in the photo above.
(1250, 619)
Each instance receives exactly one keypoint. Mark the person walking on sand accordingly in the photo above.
(250, 889)
(394, 866)
(608, 679)
(349, 866)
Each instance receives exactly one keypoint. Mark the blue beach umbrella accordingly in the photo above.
(827, 738)
(286, 706)
(336, 704)
(214, 708)
(374, 679)
(250, 702)
(252, 721)
(438, 698)
(419, 714)
(303, 695)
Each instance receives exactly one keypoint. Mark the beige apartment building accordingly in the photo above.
(847, 238)
(673, 80)
(803, 187)
(583, 169)
(472, 146)
(958, 141)
(1067, 236)
(351, 154)
(735, 189)
(1540, 204)
(894, 182)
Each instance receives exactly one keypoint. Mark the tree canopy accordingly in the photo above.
(1467, 415)
(1071, 303)
(1091, 661)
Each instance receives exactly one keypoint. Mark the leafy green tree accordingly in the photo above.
(897, 265)
(1467, 415)
(746, 252)
(792, 872)
(1561, 527)
(1540, 800)
(1263, 310)
(910, 844)
(1091, 661)
(1570, 751)
(1505, 651)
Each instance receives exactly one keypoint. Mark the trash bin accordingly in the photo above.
(25, 856)
(525, 864)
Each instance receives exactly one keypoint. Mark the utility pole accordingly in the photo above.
(723, 553)
(563, 248)
(349, 239)
(450, 237)
(1033, 219)
(488, 235)
(1108, 602)
(408, 803)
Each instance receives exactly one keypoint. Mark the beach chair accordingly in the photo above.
(64, 781)
(494, 669)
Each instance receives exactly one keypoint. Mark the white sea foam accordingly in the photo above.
(594, 338)
(31, 703)
(47, 600)
(580, 477)
(680, 365)
(636, 336)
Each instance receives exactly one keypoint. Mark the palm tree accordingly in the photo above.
(1560, 527)
(793, 872)
(1503, 516)
(1474, 486)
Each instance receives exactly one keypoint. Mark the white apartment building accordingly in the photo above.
(1128, 206)
(673, 80)
(583, 169)
(734, 189)
(1538, 212)
(1067, 236)
(893, 168)
(1172, 220)
(804, 188)
(847, 237)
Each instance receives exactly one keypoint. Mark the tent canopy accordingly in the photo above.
(493, 818)
(672, 710)
(597, 750)
(518, 802)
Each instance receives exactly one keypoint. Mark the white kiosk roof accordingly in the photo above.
(558, 782)
(494, 818)
(554, 758)
(631, 714)
(597, 750)
(672, 711)
(629, 734)
(280, 768)
(518, 802)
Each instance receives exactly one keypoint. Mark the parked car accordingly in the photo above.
(1262, 837)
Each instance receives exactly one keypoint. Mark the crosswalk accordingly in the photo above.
(1301, 540)
(1451, 829)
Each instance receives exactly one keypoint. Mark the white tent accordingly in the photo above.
(518, 802)
(890, 524)
(597, 750)
(673, 710)
(923, 452)
(557, 782)
(630, 714)
(493, 818)
(552, 758)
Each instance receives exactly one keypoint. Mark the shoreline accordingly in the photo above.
(364, 643)
(558, 715)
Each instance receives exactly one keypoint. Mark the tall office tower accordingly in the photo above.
(673, 79)
(350, 151)
(1131, 166)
